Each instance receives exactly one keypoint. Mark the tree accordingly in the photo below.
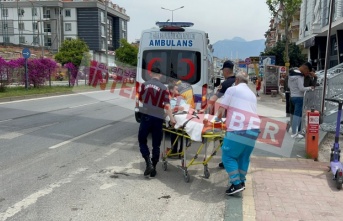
(287, 8)
(39, 70)
(295, 56)
(127, 53)
(72, 51)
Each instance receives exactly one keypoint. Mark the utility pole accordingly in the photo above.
(172, 11)
(106, 42)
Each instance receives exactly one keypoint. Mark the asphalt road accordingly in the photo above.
(76, 157)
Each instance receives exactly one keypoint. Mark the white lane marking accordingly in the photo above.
(50, 97)
(5, 120)
(81, 105)
(78, 137)
(109, 153)
(23, 204)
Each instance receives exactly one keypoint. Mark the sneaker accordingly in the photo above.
(221, 165)
(297, 136)
(234, 189)
(294, 135)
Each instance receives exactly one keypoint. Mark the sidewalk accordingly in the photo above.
(288, 188)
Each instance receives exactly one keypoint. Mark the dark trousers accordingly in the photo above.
(172, 139)
(153, 125)
(288, 103)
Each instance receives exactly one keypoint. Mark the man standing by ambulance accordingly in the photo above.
(229, 81)
(243, 125)
(155, 98)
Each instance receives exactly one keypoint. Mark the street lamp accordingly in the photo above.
(172, 10)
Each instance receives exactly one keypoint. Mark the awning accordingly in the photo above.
(306, 38)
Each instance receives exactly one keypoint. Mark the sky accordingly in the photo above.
(221, 19)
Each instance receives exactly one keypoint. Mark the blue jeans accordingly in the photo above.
(236, 150)
(153, 125)
(298, 112)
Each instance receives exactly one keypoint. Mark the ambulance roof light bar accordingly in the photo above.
(174, 24)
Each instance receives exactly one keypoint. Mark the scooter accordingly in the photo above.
(336, 166)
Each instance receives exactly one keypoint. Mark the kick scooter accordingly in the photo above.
(336, 166)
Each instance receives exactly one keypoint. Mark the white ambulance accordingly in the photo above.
(180, 53)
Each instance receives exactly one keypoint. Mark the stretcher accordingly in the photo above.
(211, 132)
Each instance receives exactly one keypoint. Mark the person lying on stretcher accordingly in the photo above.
(178, 104)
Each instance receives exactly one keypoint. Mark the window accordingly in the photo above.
(68, 38)
(175, 64)
(123, 25)
(22, 40)
(67, 26)
(35, 26)
(46, 14)
(21, 26)
(6, 39)
(34, 11)
(67, 13)
(5, 26)
(35, 40)
(47, 42)
(102, 17)
(5, 12)
(102, 30)
(47, 28)
(103, 44)
(21, 12)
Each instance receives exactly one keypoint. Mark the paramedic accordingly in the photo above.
(229, 81)
(155, 98)
(243, 125)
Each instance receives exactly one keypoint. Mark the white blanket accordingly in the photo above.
(192, 128)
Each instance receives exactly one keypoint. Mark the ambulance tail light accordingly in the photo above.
(204, 96)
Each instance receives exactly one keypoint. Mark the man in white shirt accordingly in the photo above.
(243, 125)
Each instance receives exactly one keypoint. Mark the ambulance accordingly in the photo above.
(181, 53)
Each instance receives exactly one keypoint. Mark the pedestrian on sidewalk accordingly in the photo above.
(258, 86)
(310, 80)
(297, 90)
(229, 81)
(240, 103)
(155, 98)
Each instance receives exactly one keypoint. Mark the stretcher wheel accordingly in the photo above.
(206, 172)
(186, 176)
(164, 165)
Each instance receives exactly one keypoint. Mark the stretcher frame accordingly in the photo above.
(209, 136)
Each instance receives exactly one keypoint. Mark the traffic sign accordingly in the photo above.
(26, 53)
(283, 69)
(247, 61)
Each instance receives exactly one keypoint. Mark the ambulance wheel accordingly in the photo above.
(186, 176)
(164, 165)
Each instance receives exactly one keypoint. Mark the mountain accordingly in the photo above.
(238, 47)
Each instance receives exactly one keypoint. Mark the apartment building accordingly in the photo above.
(48, 23)
(314, 25)
(276, 31)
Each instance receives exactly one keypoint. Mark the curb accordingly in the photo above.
(32, 96)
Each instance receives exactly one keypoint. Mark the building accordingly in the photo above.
(276, 31)
(48, 23)
(314, 25)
